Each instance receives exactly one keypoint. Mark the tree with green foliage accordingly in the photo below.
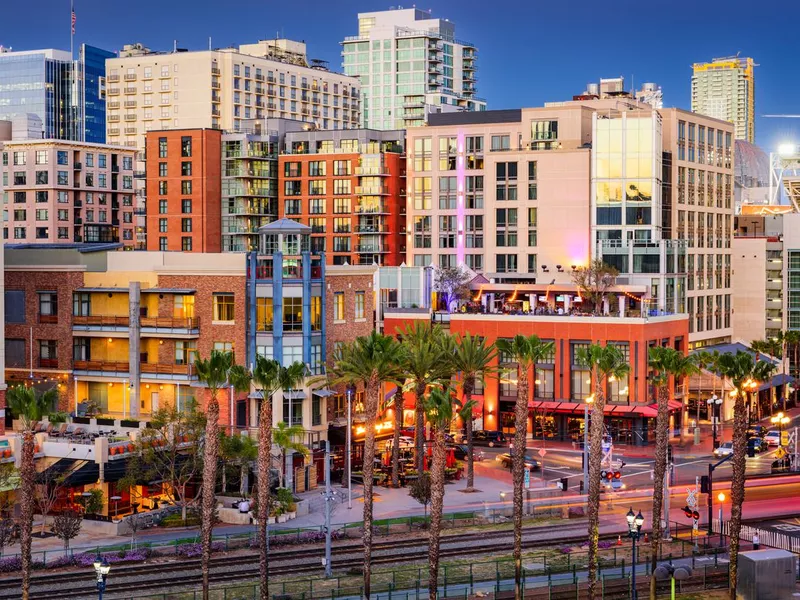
(285, 437)
(594, 282)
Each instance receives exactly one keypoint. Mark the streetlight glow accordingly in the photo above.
(721, 497)
(787, 149)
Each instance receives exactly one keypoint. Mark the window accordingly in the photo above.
(359, 305)
(264, 314)
(223, 346)
(62, 158)
(316, 313)
(544, 130)
(223, 307)
(162, 169)
(183, 307)
(163, 244)
(162, 147)
(186, 169)
(316, 168)
(292, 169)
(186, 187)
(21, 178)
(316, 206)
(338, 307)
(341, 206)
(292, 407)
(15, 306)
(186, 244)
(293, 207)
(20, 158)
(317, 187)
(186, 146)
(162, 207)
(341, 187)
(162, 225)
(41, 157)
(41, 177)
(506, 263)
(186, 206)
(48, 357)
(501, 142)
(186, 225)
(341, 167)
(292, 314)
(162, 188)
(41, 214)
(81, 304)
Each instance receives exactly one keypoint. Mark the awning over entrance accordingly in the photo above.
(577, 408)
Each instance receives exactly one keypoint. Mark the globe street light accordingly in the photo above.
(780, 420)
(721, 498)
(101, 569)
(715, 404)
(635, 523)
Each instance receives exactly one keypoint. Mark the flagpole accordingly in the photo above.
(71, 29)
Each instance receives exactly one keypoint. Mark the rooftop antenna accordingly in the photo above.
(174, 46)
(209, 42)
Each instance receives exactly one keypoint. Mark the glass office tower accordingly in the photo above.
(93, 64)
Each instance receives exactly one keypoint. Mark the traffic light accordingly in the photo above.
(688, 512)
(705, 484)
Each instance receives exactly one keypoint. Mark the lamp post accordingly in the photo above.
(715, 404)
(721, 499)
(635, 523)
(349, 445)
(101, 569)
(780, 420)
(589, 401)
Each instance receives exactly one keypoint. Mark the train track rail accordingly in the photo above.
(173, 575)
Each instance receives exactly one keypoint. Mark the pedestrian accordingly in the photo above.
(756, 541)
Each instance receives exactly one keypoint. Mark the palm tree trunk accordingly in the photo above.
(398, 424)
(27, 480)
(595, 460)
(419, 429)
(659, 471)
(437, 505)
(209, 483)
(518, 471)
(468, 384)
(264, 461)
(737, 484)
(372, 394)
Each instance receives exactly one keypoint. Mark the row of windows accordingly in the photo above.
(42, 157)
(63, 179)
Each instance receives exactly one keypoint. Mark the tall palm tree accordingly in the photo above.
(424, 366)
(28, 406)
(526, 352)
(216, 372)
(666, 363)
(285, 436)
(466, 412)
(398, 406)
(791, 340)
(439, 411)
(604, 362)
(472, 358)
(371, 361)
(269, 376)
(741, 368)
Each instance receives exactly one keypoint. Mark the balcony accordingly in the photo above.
(372, 229)
(130, 104)
(109, 323)
(100, 367)
(370, 209)
(130, 130)
(362, 190)
(130, 90)
(215, 71)
(370, 249)
(48, 363)
(113, 105)
(140, 174)
(115, 168)
(372, 171)
(113, 78)
(113, 91)
(76, 166)
(159, 371)
(168, 324)
(130, 76)
(113, 118)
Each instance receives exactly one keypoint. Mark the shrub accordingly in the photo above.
(195, 549)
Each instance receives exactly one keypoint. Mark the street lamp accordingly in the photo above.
(721, 498)
(715, 404)
(635, 523)
(587, 404)
(780, 420)
(101, 569)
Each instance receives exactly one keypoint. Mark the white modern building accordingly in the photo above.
(725, 89)
(410, 65)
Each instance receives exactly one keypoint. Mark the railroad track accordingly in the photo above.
(182, 573)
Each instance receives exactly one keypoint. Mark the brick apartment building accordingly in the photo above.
(58, 192)
(184, 190)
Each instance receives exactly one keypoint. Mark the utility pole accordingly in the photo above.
(328, 495)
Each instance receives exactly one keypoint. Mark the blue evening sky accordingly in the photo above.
(530, 51)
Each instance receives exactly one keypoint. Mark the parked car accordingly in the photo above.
(757, 444)
(506, 460)
(488, 438)
(782, 465)
(756, 431)
(724, 449)
(460, 452)
(773, 437)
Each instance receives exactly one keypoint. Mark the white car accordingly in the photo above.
(725, 449)
(773, 438)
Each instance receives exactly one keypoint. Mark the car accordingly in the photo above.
(782, 465)
(757, 444)
(773, 438)
(461, 452)
(506, 460)
(755, 431)
(725, 449)
(488, 438)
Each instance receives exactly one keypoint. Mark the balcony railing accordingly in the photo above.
(171, 322)
(102, 366)
(100, 320)
(48, 318)
(159, 369)
(48, 363)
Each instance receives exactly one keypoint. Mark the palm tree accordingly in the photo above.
(526, 352)
(742, 369)
(472, 358)
(604, 362)
(371, 361)
(666, 363)
(28, 406)
(217, 372)
(791, 340)
(439, 411)
(398, 406)
(269, 376)
(424, 366)
(284, 436)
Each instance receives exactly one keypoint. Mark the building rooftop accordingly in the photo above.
(484, 117)
(80, 247)
(284, 226)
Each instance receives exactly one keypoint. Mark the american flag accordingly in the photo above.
(73, 22)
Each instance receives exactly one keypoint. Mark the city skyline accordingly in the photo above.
(497, 34)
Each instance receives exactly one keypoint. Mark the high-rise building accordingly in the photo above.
(410, 65)
(66, 95)
(349, 187)
(57, 192)
(725, 89)
(540, 191)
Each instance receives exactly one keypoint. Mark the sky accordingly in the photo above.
(530, 51)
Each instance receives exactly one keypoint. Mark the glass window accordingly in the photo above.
(292, 314)
(338, 306)
(359, 305)
(264, 314)
(223, 307)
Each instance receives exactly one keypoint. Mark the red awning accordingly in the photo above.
(672, 406)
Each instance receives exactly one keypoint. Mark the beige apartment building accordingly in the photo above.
(223, 88)
(526, 196)
(57, 191)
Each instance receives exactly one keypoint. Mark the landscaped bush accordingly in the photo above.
(195, 550)
(306, 537)
(177, 521)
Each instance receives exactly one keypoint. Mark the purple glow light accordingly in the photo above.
(460, 206)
